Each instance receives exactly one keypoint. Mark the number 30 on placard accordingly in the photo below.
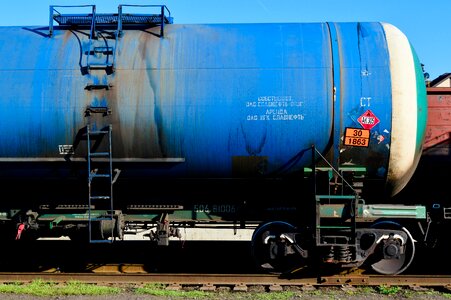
(357, 137)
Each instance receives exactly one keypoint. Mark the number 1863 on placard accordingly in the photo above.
(357, 137)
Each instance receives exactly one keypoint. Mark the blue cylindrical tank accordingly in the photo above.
(219, 100)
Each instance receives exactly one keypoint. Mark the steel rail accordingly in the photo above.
(179, 279)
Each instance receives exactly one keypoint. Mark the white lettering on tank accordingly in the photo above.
(275, 108)
(365, 101)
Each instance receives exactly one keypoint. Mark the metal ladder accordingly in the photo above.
(339, 228)
(335, 223)
(100, 179)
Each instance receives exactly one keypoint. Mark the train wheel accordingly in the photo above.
(391, 260)
(273, 251)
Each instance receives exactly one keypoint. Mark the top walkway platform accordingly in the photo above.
(107, 19)
(92, 19)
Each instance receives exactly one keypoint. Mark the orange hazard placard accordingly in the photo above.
(357, 137)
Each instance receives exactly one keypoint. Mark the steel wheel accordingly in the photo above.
(273, 251)
(398, 261)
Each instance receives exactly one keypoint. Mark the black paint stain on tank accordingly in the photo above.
(253, 140)
(158, 113)
(159, 124)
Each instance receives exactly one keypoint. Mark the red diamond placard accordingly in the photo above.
(368, 120)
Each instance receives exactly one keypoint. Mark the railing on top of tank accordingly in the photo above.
(162, 20)
(70, 19)
(92, 18)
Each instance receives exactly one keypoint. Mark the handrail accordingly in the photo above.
(52, 15)
(352, 204)
(163, 7)
(162, 14)
(333, 169)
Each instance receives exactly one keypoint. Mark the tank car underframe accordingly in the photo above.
(335, 229)
(174, 205)
(277, 245)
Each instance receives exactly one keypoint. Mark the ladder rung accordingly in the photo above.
(338, 197)
(333, 227)
(100, 175)
(100, 197)
(101, 241)
(98, 110)
(102, 50)
(99, 66)
(99, 153)
(99, 132)
(91, 87)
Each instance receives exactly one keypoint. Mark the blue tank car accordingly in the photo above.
(286, 127)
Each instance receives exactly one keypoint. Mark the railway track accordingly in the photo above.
(238, 282)
(172, 269)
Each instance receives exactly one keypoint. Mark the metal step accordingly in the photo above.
(337, 197)
(98, 66)
(99, 154)
(91, 87)
(100, 175)
(101, 241)
(100, 197)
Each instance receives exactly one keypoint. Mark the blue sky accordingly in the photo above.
(425, 23)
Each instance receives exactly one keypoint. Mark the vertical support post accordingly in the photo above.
(316, 261)
(314, 169)
(162, 22)
(119, 21)
(88, 139)
(110, 158)
(93, 23)
(316, 220)
(51, 21)
(92, 35)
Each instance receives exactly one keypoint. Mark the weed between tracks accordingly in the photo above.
(45, 288)
(159, 291)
